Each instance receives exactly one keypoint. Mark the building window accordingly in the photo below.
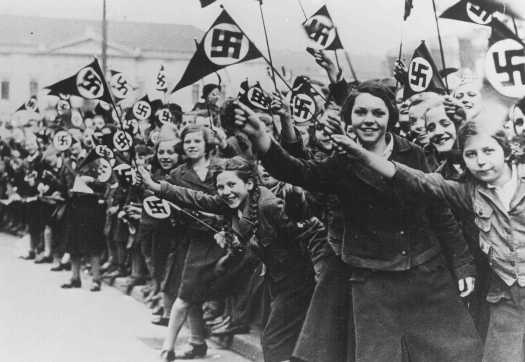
(33, 87)
(195, 89)
(4, 89)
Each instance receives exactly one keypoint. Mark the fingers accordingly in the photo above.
(466, 286)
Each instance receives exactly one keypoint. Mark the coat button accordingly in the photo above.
(403, 252)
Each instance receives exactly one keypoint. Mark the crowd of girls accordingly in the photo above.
(386, 229)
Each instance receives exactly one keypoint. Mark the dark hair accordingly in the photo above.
(378, 90)
(473, 128)
(208, 88)
(207, 135)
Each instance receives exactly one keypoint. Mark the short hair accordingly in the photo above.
(473, 128)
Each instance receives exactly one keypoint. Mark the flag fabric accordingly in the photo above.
(500, 31)
(409, 4)
(142, 108)
(205, 3)
(254, 97)
(161, 81)
(469, 12)
(512, 8)
(321, 29)
(223, 44)
(423, 74)
(63, 103)
(31, 105)
(88, 83)
(505, 61)
(302, 102)
(120, 87)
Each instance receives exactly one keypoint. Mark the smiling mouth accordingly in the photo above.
(441, 140)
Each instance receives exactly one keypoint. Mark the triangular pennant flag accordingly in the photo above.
(469, 12)
(254, 97)
(321, 29)
(31, 105)
(505, 61)
(205, 3)
(408, 9)
(120, 87)
(500, 31)
(161, 81)
(423, 75)
(88, 83)
(223, 44)
(511, 8)
(302, 101)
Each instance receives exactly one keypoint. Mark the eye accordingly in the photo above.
(378, 113)
(519, 122)
(231, 184)
(445, 122)
(470, 154)
(360, 111)
(472, 94)
(431, 127)
(220, 187)
(488, 150)
(459, 95)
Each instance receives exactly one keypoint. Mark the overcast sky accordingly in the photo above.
(365, 26)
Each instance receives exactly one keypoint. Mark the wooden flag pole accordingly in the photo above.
(268, 46)
(440, 42)
(302, 9)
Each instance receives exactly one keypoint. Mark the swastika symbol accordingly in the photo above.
(164, 115)
(319, 32)
(301, 107)
(161, 81)
(257, 96)
(120, 85)
(89, 84)
(477, 14)
(509, 68)
(156, 207)
(122, 141)
(62, 140)
(420, 74)
(142, 110)
(226, 43)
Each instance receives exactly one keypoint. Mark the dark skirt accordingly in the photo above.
(287, 313)
(327, 334)
(200, 280)
(85, 225)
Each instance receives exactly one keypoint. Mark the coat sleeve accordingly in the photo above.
(311, 175)
(419, 184)
(192, 199)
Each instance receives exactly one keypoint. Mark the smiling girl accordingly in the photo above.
(402, 293)
(493, 196)
(255, 219)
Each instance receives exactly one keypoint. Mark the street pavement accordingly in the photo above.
(40, 322)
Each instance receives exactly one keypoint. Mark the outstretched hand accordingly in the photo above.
(400, 72)
(325, 62)
(250, 124)
(144, 177)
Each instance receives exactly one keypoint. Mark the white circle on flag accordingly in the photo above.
(477, 14)
(505, 67)
(141, 110)
(156, 208)
(122, 141)
(103, 170)
(127, 173)
(62, 140)
(225, 44)
(420, 74)
(303, 107)
(89, 84)
(103, 151)
(76, 119)
(163, 115)
(321, 30)
(257, 98)
(119, 85)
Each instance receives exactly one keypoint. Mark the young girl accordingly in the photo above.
(401, 291)
(255, 221)
(492, 194)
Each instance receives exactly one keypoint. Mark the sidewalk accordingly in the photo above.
(247, 345)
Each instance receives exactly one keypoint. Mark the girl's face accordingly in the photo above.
(484, 158)
(417, 124)
(470, 98)
(440, 129)
(232, 189)
(166, 155)
(369, 118)
(98, 122)
(194, 146)
(322, 138)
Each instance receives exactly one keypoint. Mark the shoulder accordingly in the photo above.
(269, 203)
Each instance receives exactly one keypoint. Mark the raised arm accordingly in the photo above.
(183, 196)
(311, 175)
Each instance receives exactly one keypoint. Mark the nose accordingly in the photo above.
(482, 160)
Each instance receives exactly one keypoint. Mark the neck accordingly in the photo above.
(377, 148)
(201, 162)
(504, 178)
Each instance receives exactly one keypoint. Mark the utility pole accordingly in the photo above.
(104, 37)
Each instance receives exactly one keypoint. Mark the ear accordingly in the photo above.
(250, 184)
